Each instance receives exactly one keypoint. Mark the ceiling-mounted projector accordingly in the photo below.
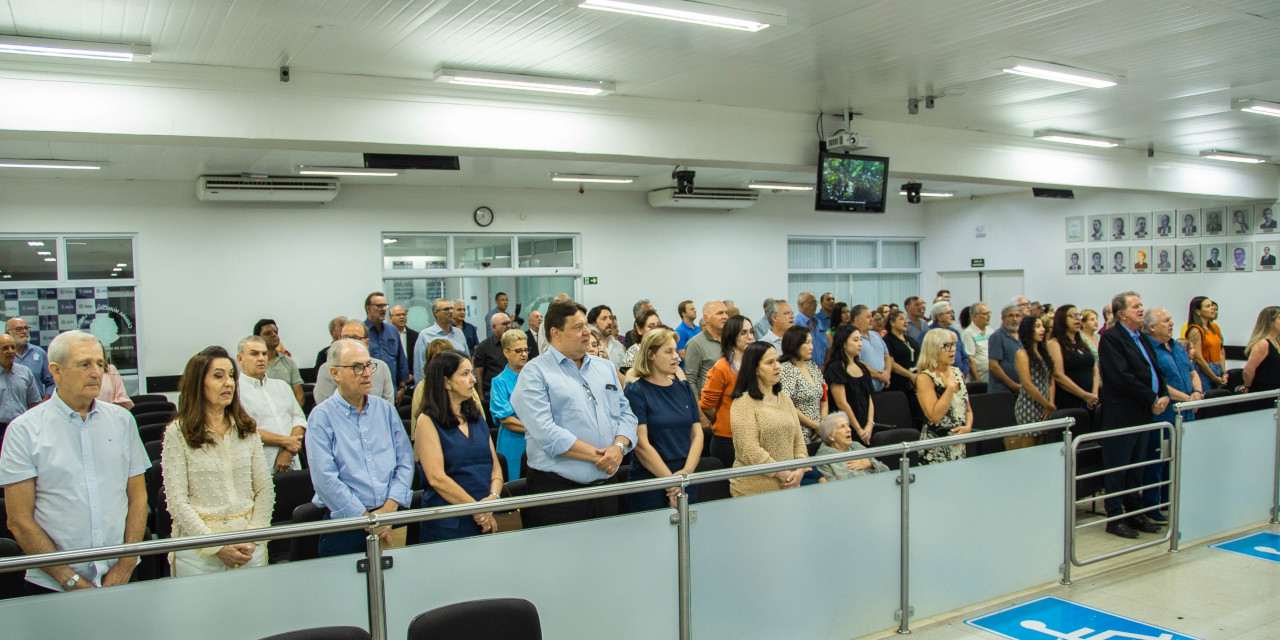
(843, 142)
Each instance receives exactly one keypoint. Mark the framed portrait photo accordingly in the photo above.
(1240, 257)
(1142, 228)
(1266, 254)
(1164, 256)
(1267, 214)
(1075, 229)
(1140, 259)
(1240, 220)
(1097, 264)
(1118, 227)
(1117, 260)
(1165, 224)
(1188, 223)
(1097, 228)
(1187, 258)
(1215, 221)
(1213, 257)
(1075, 262)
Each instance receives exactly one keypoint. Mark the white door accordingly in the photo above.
(999, 287)
(964, 287)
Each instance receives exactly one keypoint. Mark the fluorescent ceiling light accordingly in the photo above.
(121, 264)
(930, 194)
(18, 163)
(778, 186)
(1261, 107)
(304, 170)
(589, 177)
(50, 259)
(1231, 156)
(695, 12)
(75, 49)
(1060, 73)
(44, 253)
(523, 82)
(389, 241)
(1053, 135)
(117, 269)
(35, 243)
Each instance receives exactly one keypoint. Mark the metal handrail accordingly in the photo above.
(150, 547)
(1224, 400)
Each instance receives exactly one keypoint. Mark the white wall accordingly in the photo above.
(208, 271)
(1028, 233)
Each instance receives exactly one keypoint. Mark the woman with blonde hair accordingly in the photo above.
(1089, 329)
(215, 473)
(668, 431)
(942, 395)
(1262, 371)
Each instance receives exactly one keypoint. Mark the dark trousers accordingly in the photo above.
(722, 448)
(546, 482)
(341, 542)
(1119, 451)
(1154, 473)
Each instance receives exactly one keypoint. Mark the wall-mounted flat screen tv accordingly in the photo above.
(852, 183)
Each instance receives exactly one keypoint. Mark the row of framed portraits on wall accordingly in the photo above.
(1238, 257)
(1238, 220)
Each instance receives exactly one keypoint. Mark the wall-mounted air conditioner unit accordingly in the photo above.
(241, 189)
(704, 198)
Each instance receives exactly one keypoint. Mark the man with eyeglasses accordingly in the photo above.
(384, 340)
(398, 316)
(441, 328)
(380, 374)
(1002, 346)
(360, 457)
(943, 318)
(511, 444)
(976, 340)
(30, 355)
(490, 360)
(19, 390)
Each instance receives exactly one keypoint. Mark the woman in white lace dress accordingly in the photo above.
(216, 477)
(942, 395)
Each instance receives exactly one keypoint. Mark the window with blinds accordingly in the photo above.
(866, 271)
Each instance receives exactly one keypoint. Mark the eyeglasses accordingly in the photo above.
(948, 346)
(379, 306)
(21, 329)
(747, 332)
(360, 368)
(519, 352)
(590, 395)
(1075, 316)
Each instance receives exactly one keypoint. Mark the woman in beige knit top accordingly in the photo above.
(764, 422)
(216, 477)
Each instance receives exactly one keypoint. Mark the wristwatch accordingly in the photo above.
(71, 582)
(622, 447)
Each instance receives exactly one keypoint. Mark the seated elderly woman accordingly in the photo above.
(837, 437)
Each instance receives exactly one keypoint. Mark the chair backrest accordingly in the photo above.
(888, 437)
(708, 491)
(150, 432)
(154, 449)
(1226, 410)
(293, 488)
(154, 417)
(1083, 425)
(306, 547)
(323, 633)
(893, 408)
(413, 530)
(503, 619)
(10, 582)
(149, 397)
(991, 411)
(140, 408)
(976, 387)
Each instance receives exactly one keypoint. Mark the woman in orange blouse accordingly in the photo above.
(1203, 333)
(717, 392)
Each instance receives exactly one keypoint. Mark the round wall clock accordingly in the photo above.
(484, 216)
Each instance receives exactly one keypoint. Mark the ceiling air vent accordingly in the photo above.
(704, 198)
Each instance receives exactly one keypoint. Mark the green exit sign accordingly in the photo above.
(977, 263)
(589, 280)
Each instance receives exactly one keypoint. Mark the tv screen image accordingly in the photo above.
(851, 183)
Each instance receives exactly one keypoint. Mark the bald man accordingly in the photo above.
(30, 355)
(19, 389)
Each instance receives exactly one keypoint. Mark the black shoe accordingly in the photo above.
(1119, 528)
(1141, 523)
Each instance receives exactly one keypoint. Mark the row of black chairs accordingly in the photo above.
(503, 619)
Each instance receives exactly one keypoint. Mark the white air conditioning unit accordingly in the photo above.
(704, 198)
(240, 189)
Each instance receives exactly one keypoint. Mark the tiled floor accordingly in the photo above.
(1206, 593)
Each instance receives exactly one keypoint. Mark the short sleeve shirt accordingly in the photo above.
(668, 414)
(1002, 347)
(284, 368)
(19, 389)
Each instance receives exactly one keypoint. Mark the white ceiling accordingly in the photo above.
(1185, 61)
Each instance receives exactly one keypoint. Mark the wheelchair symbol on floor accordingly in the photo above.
(1052, 618)
(1083, 633)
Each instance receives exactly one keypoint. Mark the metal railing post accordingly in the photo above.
(904, 545)
(1275, 491)
(373, 581)
(1069, 515)
(1175, 477)
(684, 571)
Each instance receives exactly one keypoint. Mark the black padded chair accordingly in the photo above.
(1216, 412)
(154, 449)
(308, 397)
(889, 437)
(152, 418)
(975, 388)
(11, 581)
(323, 633)
(152, 432)
(504, 619)
(991, 411)
(412, 531)
(405, 411)
(893, 410)
(1235, 378)
(293, 488)
(1083, 425)
(149, 397)
(708, 491)
(306, 547)
(140, 408)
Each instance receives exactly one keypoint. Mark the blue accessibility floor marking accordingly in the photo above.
(1263, 545)
(1052, 618)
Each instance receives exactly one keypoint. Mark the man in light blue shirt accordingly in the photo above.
(72, 470)
(808, 305)
(765, 322)
(30, 355)
(823, 317)
(360, 458)
(943, 318)
(578, 424)
(443, 328)
(19, 390)
(499, 306)
(875, 353)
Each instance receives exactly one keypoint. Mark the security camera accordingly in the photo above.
(284, 74)
(913, 191)
(913, 106)
(684, 181)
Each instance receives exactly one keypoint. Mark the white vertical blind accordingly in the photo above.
(808, 254)
(858, 273)
(901, 254)
(855, 254)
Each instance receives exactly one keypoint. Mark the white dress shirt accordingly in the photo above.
(272, 404)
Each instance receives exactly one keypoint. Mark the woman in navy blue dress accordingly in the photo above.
(454, 451)
(669, 434)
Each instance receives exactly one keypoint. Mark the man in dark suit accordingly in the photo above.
(1133, 391)
(490, 361)
(535, 323)
(398, 316)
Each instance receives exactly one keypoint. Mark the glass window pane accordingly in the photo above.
(901, 254)
(416, 296)
(808, 254)
(536, 292)
(481, 252)
(855, 254)
(413, 252)
(99, 258)
(546, 252)
(28, 259)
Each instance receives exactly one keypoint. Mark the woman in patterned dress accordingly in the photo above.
(802, 380)
(942, 395)
(1035, 398)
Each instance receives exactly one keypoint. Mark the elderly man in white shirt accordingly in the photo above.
(72, 470)
(271, 404)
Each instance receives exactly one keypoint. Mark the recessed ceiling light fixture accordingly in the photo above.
(1261, 107)
(21, 163)
(44, 253)
(588, 177)
(389, 241)
(1060, 73)
(35, 243)
(931, 194)
(1232, 156)
(75, 49)
(50, 259)
(523, 82)
(304, 170)
(778, 186)
(725, 16)
(1068, 137)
